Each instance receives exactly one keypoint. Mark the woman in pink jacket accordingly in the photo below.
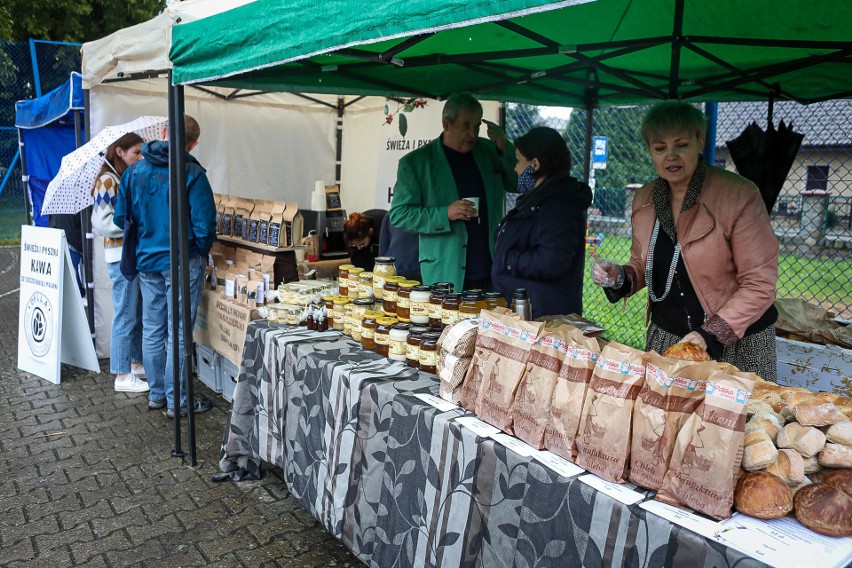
(704, 247)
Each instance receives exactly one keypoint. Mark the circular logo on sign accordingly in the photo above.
(38, 323)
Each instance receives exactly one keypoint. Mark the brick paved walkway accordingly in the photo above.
(87, 479)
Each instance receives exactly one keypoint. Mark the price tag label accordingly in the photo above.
(558, 464)
(479, 427)
(439, 403)
(517, 446)
(623, 493)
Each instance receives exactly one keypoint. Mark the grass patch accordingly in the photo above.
(823, 281)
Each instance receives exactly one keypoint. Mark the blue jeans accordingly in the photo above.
(125, 345)
(157, 329)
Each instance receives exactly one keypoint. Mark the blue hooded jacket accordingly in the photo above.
(148, 183)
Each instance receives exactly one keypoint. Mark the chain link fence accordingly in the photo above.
(27, 70)
(812, 216)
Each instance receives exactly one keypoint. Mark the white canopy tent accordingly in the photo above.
(253, 144)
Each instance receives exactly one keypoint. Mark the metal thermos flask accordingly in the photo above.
(521, 303)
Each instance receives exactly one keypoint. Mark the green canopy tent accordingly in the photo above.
(576, 53)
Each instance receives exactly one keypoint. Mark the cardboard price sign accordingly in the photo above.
(223, 324)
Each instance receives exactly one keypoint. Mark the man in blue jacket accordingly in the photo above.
(148, 184)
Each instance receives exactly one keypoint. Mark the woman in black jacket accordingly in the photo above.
(541, 243)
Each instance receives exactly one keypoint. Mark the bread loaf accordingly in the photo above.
(836, 455)
(772, 398)
(827, 396)
(817, 413)
(806, 440)
(844, 405)
(762, 495)
(805, 482)
(840, 478)
(840, 433)
(687, 352)
(824, 509)
(812, 465)
(758, 451)
(758, 407)
(789, 467)
(764, 423)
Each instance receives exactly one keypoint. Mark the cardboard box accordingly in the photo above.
(226, 324)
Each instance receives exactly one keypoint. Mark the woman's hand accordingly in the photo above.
(694, 337)
(607, 274)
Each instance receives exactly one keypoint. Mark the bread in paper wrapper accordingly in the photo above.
(451, 372)
(708, 449)
(460, 338)
(603, 439)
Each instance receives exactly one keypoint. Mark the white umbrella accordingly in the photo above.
(71, 190)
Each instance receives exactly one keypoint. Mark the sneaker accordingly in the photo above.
(130, 383)
(199, 406)
(156, 404)
(139, 372)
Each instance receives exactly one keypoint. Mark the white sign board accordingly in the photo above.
(408, 126)
(51, 308)
(599, 152)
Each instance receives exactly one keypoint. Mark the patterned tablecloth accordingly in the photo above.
(402, 484)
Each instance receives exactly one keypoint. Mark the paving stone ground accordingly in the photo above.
(87, 478)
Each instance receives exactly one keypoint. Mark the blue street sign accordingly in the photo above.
(599, 152)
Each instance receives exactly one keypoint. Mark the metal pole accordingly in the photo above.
(338, 157)
(179, 143)
(86, 228)
(711, 111)
(175, 273)
(25, 179)
(34, 59)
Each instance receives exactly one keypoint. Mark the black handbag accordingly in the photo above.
(131, 237)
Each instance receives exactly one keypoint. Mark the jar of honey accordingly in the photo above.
(435, 302)
(472, 302)
(428, 356)
(494, 300)
(389, 294)
(365, 287)
(368, 330)
(450, 308)
(343, 278)
(339, 312)
(354, 282)
(403, 300)
(382, 335)
(384, 266)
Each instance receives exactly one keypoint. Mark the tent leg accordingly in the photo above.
(174, 259)
(85, 224)
(179, 143)
(711, 111)
(26, 181)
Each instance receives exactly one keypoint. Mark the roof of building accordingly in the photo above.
(823, 124)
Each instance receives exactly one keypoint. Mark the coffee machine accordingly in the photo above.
(328, 225)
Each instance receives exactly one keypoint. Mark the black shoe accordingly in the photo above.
(199, 406)
(156, 404)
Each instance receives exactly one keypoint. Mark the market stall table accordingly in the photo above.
(403, 483)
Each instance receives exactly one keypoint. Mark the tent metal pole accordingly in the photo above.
(338, 154)
(711, 111)
(174, 268)
(591, 103)
(677, 35)
(770, 110)
(86, 227)
(25, 179)
(185, 307)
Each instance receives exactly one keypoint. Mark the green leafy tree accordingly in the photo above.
(520, 118)
(72, 20)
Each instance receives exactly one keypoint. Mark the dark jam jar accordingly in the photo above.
(412, 349)
(382, 335)
(450, 308)
(435, 307)
(428, 356)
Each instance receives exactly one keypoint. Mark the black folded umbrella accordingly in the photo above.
(766, 157)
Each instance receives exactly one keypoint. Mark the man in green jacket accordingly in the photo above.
(431, 191)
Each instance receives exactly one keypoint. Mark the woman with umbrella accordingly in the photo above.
(703, 245)
(125, 357)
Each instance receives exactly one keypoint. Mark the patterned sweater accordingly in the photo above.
(106, 188)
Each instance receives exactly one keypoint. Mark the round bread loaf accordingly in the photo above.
(687, 352)
(840, 478)
(763, 495)
(824, 509)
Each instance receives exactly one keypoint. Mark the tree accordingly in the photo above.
(520, 118)
(72, 20)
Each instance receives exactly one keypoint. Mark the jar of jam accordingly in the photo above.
(398, 337)
(412, 349)
(472, 302)
(384, 266)
(339, 312)
(382, 335)
(368, 331)
(328, 302)
(428, 356)
(403, 301)
(443, 286)
(389, 294)
(435, 302)
(365, 286)
(354, 282)
(494, 300)
(343, 278)
(450, 308)
(420, 297)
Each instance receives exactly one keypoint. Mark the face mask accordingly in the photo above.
(526, 181)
